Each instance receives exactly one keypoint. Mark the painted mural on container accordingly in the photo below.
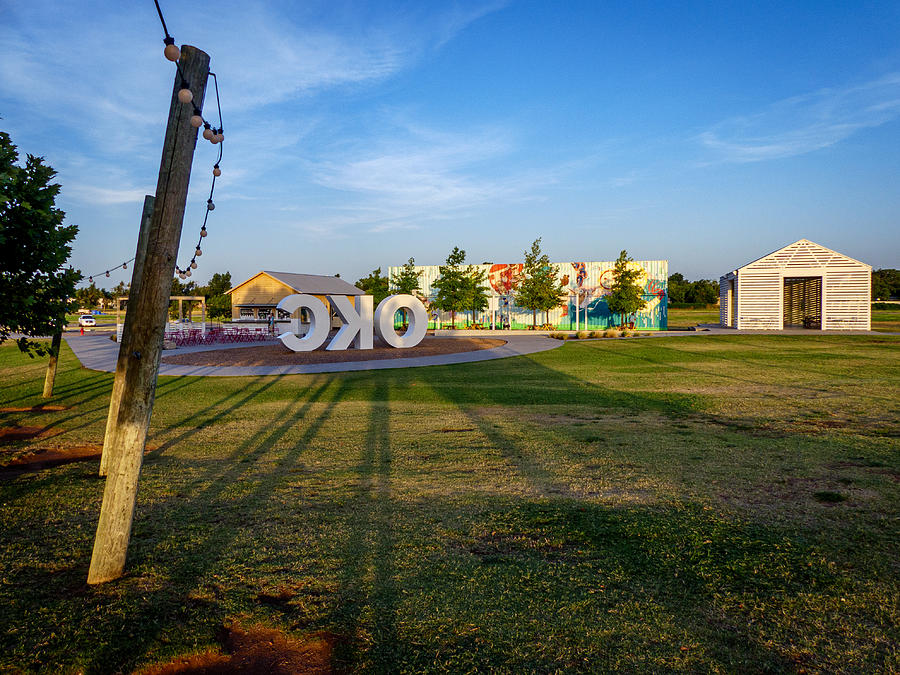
(586, 286)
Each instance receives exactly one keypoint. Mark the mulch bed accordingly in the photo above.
(279, 355)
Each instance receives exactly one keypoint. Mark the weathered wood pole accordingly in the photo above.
(146, 319)
(124, 362)
(50, 377)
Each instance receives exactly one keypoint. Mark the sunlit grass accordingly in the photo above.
(693, 504)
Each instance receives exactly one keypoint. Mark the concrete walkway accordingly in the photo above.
(98, 352)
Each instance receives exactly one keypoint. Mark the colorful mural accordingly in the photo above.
(587, 284)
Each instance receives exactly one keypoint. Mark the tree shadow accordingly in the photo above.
(371, 521)
(204, 500)
(660, 547)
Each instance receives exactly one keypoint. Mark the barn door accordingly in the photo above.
(803, 302)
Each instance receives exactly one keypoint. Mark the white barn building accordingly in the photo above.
(801, 285)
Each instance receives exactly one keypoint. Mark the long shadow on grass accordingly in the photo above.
(679, 556)
(373, 509)
(204, 522)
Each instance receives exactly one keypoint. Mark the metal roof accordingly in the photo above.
(313, 284)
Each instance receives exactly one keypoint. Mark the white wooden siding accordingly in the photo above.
(847, 300)
(759, 288)
(759, 300)
(723, 301)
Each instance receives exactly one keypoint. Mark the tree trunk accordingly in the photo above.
(145, 322)
(50, 378)
(533, 319)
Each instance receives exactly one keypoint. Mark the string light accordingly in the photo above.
(215, 135)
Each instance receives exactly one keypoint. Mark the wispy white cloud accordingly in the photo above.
(806, 123)
(410, 175)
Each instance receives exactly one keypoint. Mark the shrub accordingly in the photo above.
(627, 333)
(581, 335)
(611, 333)
(596, 333)
(885, 305)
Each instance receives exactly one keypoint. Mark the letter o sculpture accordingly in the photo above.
(319, 322)
(384, 320)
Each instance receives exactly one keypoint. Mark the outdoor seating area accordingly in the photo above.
(190, 336)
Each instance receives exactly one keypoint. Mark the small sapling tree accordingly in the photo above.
(626, 296)
(406, 281)
(453, 286)
(540, 288)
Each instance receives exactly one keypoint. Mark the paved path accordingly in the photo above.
(98, 352)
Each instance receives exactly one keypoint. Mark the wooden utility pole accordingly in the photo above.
(50, 378)
(124, 362)
(146, 319)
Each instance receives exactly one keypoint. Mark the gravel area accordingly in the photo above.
(279, 355)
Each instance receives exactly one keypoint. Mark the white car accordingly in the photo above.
(86, 321)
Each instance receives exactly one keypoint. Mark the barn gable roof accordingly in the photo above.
(804, 254)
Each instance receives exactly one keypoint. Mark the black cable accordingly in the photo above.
(162, 20)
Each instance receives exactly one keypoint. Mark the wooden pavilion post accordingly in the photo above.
(145, 319)
(124, 362)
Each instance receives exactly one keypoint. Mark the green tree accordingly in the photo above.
(703, 291)
(406, 281)
(539, 288)
(88, 297)
(35, 288)
(477, 298)
(678, 287)
(375, 285)
(626, 297)
(218, 304)
(885, 284)
(452, 285)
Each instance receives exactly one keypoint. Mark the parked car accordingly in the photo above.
(86, 321)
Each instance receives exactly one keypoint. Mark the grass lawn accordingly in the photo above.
(882, 319)
(694, 504)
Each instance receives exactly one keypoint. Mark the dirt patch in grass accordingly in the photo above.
(255, 649)
(36, 409)
(45, 458)
(279, 355)
(10, 434)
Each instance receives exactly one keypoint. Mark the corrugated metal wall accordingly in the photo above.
(587, 284)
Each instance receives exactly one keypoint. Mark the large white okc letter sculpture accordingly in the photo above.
(384, 320)
(357, 322)
(319, 322)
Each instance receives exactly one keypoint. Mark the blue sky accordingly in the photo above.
(360, 134)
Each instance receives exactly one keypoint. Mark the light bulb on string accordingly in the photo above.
(182, 275)
(198, 252)
(90, 280)
(187, 273)
(124, 266)
(217, 171)
(196, 118)
(184, 94)
(220, 136)
(203, 232)
(193, 264)
(207, 132)
(210, 205)
(171, 52)
(107, 273)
